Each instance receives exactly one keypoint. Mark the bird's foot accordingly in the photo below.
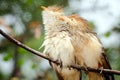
(101, 70)
(86, 69)
(69, 67)
(59, 63)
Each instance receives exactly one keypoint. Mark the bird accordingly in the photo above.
(71, 41)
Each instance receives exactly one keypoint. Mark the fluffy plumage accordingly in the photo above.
(71, 41)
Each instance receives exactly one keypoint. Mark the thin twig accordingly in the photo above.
(16, 42)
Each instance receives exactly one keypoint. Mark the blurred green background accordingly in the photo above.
(22, 19)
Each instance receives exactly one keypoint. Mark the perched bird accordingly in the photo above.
(69, 40)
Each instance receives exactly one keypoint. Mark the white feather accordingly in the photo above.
(60, 48)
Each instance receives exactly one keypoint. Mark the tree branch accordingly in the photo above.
(16, 42)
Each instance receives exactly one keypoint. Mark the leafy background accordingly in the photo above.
(22, 19)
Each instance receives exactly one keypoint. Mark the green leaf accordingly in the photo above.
(22, 51)
(7, 57)
(107, 34)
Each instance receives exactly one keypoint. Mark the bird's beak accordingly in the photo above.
(43, 7)
(62, 18)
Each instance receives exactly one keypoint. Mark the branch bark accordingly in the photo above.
(16, 42)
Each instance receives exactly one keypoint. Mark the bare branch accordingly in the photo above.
(16, 42)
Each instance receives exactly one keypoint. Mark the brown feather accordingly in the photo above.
(70, 40)
(81, 21)
(83, 38)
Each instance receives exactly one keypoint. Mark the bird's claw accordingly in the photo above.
(69, 67)
(60, 63)
(101, 70)
(86, 69)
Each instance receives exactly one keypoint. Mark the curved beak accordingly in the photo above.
(43, 7)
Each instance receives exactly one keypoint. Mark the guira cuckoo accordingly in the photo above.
(70, 40)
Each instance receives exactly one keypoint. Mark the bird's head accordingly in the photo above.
(56, 9)
(53, 17)
(51, 14)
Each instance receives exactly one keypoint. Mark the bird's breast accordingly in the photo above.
(60, 48)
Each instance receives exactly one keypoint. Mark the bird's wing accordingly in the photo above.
(79, 37)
